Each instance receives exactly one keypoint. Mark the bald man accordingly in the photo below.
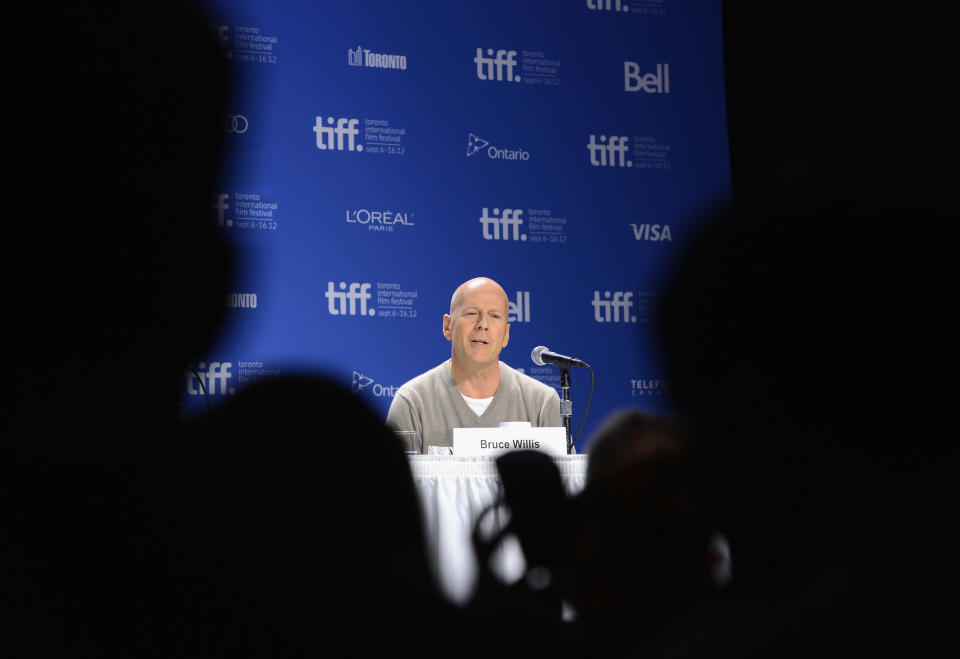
(472, 389)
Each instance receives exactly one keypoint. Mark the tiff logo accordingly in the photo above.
(519, 311)
(220, 205)
(607, 5)
(331, 137)
(502, 64)
(216, 372)
(609, 153)
(651, 83)
(222, 33)
(651, 232)
(344, 301)
(616, 310)
(509, 219)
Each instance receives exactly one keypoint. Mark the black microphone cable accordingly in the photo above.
(206, 398)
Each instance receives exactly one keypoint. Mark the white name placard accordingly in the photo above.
(493, 441)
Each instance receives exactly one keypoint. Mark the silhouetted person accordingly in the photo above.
(306, 548)
(780, 347)
(640, 557)
(525, 616)
(114, 279)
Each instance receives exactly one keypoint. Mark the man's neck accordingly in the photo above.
(480, 383)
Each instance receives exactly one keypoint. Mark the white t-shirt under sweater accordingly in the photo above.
(431, 404)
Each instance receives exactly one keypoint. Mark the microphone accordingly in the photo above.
(541, 355)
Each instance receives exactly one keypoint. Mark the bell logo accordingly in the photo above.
(509, 218)
(500, 65)
(519, 311)
(609, 152)
(607, 5)
(217, 372)
(651, 83)
(613, 310)
(652, 232)
(344, 301)
(330, 138)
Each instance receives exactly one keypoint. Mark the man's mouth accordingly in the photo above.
(480, 341)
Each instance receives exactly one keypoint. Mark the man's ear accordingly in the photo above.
(506, 335)
(446, 325)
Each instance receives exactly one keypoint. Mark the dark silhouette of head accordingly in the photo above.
(117, 275)
(641, 548)
(303, 513)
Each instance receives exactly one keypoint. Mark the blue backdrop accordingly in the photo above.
(383, 152)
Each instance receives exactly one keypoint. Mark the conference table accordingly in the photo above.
(453, 491)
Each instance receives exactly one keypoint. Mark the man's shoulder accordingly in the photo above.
(428, 379)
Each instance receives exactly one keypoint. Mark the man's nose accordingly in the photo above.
(482, 321)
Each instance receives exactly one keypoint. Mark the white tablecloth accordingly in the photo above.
(453, 491)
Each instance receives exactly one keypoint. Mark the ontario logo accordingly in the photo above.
(361, 383)
(363, 57)
(476, 144)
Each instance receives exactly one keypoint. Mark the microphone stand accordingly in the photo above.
(566, 405)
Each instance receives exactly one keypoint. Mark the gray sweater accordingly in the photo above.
(431, 404)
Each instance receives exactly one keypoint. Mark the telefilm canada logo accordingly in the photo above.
(364, 57)
(476, 144)
(653, 387)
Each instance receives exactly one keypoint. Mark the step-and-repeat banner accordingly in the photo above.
(383, 152)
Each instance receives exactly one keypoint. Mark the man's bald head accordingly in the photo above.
(473, 285)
